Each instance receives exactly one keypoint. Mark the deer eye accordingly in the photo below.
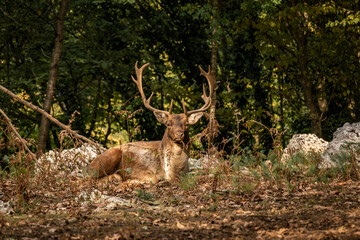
(169, 124)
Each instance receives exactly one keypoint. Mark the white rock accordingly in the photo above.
(304, 143)
(104, 202)
(85, 197)
(117, 200)
(345, 144)
(207, 161)
(195, 163)
(69, 161)
(6, 208)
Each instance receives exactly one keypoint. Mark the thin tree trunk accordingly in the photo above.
(282, 125)
(96, 107)
(54, 67)
(306, 84)
(315, 117)
(109, 122)
(300, 36)
(213, 124)
(56, 139)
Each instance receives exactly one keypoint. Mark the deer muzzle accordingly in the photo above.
(179, 135)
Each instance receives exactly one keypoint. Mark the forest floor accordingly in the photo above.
(200, 207)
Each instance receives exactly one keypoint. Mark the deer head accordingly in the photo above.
(177, 124)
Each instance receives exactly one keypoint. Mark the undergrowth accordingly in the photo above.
(244, 171)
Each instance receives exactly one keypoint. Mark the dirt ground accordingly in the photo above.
(204, 210)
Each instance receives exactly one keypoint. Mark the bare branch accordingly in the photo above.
(17, 134)
(51, 118)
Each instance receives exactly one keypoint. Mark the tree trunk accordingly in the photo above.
(109, 115)
(315, 117)
(305, 81)
(96, 108)
(213, 124)
(310, 103)
(54, 66)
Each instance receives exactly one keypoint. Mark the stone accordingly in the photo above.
(195, 163)
(344, 146)
(305, 144)
(109, 203)
(103, 202)
(70, 161)
(6, 208)
(85, 198)
(205, 161)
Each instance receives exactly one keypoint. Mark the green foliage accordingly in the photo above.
(144, 195)
(299, 41)
(187, 181)
(250, 170)
(346, 162)
(269, 168)
(261, 63)
(213, 207)
(241, 186)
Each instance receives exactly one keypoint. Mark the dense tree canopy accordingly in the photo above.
(285, 65)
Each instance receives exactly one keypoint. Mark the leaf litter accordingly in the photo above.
(79, 209)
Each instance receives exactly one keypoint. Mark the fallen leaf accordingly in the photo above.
(181, 226)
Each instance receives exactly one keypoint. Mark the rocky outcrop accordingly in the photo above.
(70, 161)
(344, 146)
(305, 144)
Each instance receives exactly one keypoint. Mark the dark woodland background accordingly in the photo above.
(289, 66)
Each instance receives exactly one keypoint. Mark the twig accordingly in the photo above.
(17, 134)
(51, 118)
(6, 14)
(253, 121)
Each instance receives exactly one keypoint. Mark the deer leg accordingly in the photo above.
(106, 163)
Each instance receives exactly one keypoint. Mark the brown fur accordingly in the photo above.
(149, 161)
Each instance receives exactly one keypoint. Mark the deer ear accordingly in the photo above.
(193, 118)
(161, 117)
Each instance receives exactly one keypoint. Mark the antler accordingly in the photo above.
(210, 77)
(138, 82)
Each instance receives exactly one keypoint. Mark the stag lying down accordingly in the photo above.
(153, 160)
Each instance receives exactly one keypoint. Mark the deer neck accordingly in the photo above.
(174, 156)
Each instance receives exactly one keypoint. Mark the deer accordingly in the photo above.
(151, 161)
